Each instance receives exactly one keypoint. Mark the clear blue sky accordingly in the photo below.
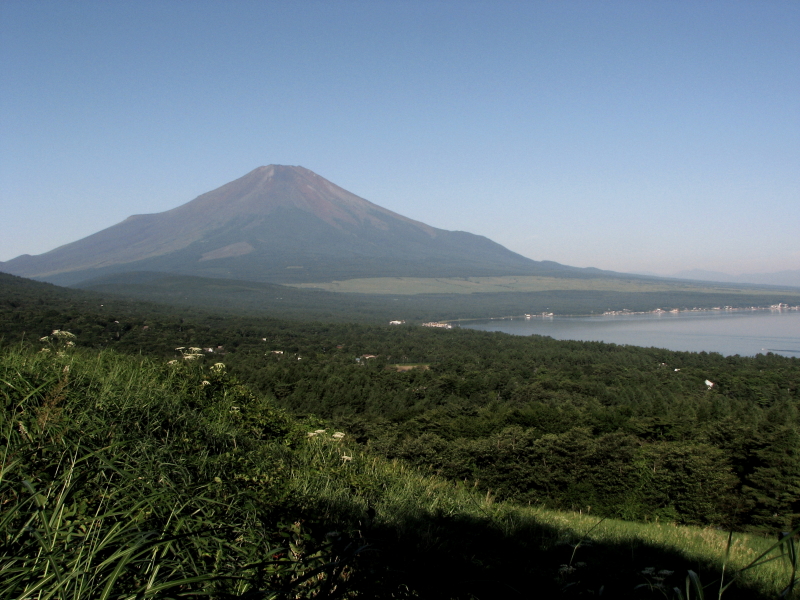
(634, 136)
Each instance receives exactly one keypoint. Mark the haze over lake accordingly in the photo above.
(745, 333)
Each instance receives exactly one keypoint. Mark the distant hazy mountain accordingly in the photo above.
(280, 224)
(783, 278)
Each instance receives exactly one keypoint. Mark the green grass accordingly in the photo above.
(473, 285)
(408, 366)
(128, 478)
(401, 496)
(119, 479)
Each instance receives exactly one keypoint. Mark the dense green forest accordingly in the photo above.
(601, 430)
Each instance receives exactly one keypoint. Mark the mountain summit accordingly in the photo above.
(277, 224)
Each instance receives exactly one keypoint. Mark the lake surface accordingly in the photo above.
(746, 333)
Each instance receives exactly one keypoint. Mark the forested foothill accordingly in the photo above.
(470, 465)
(592, 296)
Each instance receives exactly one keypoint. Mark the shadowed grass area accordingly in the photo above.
(126, 478)
(452, 542)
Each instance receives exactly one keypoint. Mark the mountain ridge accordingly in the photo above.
(278, 223)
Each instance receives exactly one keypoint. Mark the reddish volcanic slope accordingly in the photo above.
(269, 188)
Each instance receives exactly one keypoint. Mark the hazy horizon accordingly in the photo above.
(659, 137)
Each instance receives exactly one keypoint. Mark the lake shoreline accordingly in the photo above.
(624, 312)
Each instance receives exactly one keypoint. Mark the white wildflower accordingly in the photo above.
(62, 334)
(205, 382)
(318, 431)
(180, 348)
(195, 350)
(217, 367)
(338, 435)
(173, 362)
(45, 338)
(346, 458)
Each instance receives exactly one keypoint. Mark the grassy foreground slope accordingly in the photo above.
(124, 477)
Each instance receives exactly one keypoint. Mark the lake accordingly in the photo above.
(746, 333)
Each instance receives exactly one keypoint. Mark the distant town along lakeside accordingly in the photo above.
(624, 311)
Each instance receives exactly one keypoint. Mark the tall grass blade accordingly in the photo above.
(728, 544)
(790, 546)
(693, 583)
